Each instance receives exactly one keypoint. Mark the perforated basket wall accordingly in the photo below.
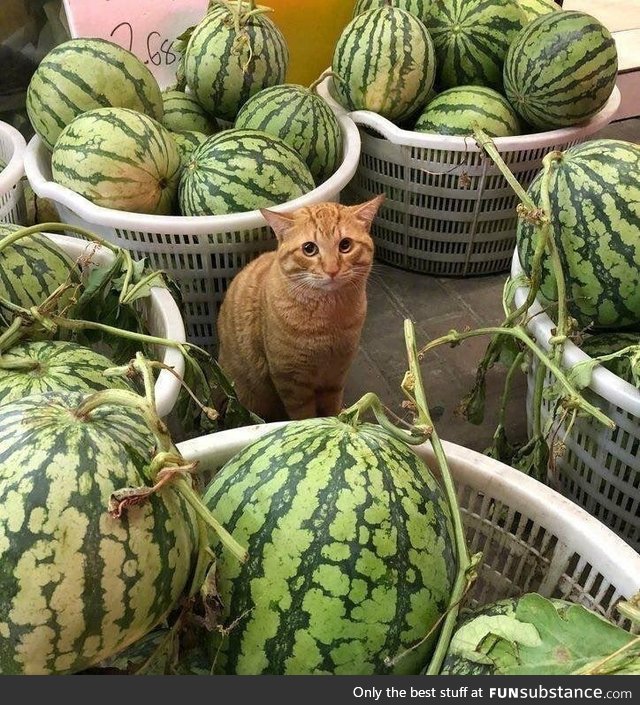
(532, 538)
(12, 203)
(202, 254)
(599, 468)
(449, 211)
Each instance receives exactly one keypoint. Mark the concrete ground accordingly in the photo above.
(437, 305)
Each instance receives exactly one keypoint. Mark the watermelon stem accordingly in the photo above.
(454, 337)
(417, 434)
(323, 76)
(413, 387)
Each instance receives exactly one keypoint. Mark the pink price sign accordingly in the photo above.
(147, 28)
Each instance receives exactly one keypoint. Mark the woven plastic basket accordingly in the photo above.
(532, 538)
(449, 211)
(600, 468)
(12, 148)
(202, 254)
(160, 312)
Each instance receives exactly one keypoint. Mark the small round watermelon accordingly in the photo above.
(303, 120)
(536, 8)
(419, 8)
(386, 63)
(31, 269)
(84, 74)
(229, 57)
(54, 365)
(183, 113)
(241, 170)
(118, 158)
(595, 215)
(560, 69)
(188, 141)
(471, 39)
(458, 111)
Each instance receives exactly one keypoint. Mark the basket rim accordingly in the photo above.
(14, 170)
(572, 525)
(603, 382)
(167, 386)
(459, 143)
(188, 225)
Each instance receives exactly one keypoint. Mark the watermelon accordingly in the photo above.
(183, 113)
(242, 170)
(118, 158)
(83, 74)
(187, 142)
(77, 584)
(607, 343)
(225, 64)
(595, 214)
(53, 365)
(560, 69)
(386, 63)
(471, 39)
(419, 8)
(31, 269)
(457, 111)
(536, 8)
(303, 120)
(351, 553)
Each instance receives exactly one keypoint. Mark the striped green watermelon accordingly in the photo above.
(457, 111)
(183, 113)
(188, 141)
(351, 552)
(78, 585)
(561, 69)
(471, 38)
(229, 58)
(386, 61)
(303, 120)
(595, 213)
(83, 74)
(118, 158)
(31, 269)
(419, 8)
(536, 8)
(607, 343)
(242, 170)
(53, 365)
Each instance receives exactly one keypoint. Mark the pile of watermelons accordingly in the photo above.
(119, 141)
(444, 66)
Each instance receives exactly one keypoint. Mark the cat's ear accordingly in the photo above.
(280, 222)
(366, 212)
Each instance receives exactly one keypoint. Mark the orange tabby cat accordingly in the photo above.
(290, 324)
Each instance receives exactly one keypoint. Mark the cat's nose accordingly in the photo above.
(333, 273)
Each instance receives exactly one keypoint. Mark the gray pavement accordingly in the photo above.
(437, 305)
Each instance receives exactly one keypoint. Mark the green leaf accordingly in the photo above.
(581, 373)
(567, 640)
(500, 448)
(533, 459)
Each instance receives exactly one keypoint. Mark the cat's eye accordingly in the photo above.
(345, 244)
(310, 249)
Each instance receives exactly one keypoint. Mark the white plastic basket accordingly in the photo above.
(600, 468)
(202, 254)
(160, 312)
(12, 149)
(433, 221)
(532, 538)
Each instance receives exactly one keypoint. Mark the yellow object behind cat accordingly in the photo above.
(311, 28)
